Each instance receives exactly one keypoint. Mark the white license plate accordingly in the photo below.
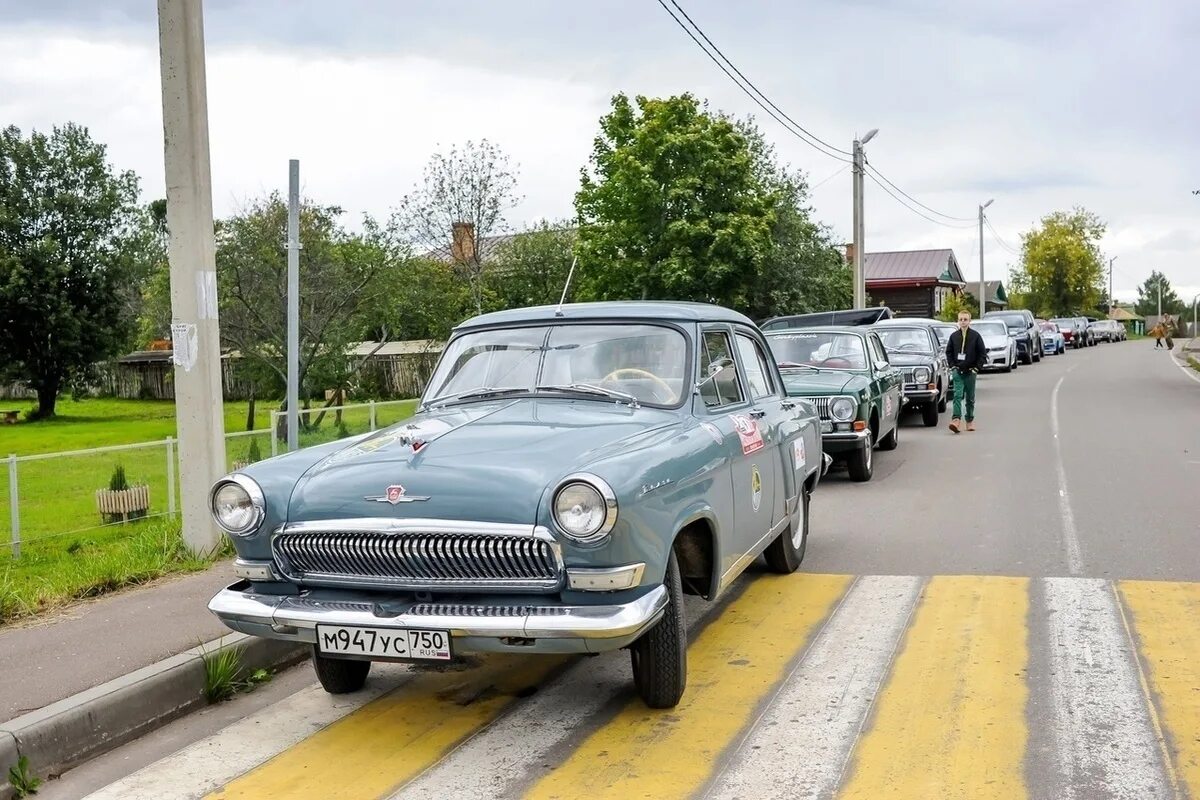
(826, 426)
(426, 645)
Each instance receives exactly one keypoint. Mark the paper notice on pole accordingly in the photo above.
(184, 342)
(206, 294)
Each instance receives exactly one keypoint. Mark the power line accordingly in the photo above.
(790, 125)
(915, 200)
(919, 213)
(999, 240)
(831, 177)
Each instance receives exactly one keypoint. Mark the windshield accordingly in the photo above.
(905, 340)
(1016, 321)
(943, 334)
(1049, 327)
(1068, 324)
(648, 362)
(986, 328)
(815, 349)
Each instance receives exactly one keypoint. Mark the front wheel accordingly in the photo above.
(862, 463)
(929, 414)
(339, 675)
(659, 657)
(787, 551)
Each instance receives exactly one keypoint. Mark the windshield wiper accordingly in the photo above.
(476, 394)
(588, 388)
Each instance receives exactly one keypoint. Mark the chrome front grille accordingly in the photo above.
(822, 406)
(418, 559)
(465, 610)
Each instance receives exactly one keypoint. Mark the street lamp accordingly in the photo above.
(1194, 329)
(982, 288)
(860, 281)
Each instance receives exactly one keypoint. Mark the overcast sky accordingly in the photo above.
(1039, 105)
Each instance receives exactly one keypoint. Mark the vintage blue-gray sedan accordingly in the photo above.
(571, 473)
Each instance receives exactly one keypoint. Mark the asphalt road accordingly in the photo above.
(1007, 613)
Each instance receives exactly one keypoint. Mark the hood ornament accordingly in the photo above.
(395, 494)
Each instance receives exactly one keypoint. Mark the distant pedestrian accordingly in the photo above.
(967, 354)
(1168, 329)
(1157, 333)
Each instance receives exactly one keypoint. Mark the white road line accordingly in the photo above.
(800, 745)
(1070, 536)
(212, 762)
(1106, 745)
(1185, 368)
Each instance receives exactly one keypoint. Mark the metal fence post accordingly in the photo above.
(14, 510)
(171, 475)
(274, 433)
(372, 405)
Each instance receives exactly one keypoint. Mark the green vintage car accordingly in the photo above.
(846, 374)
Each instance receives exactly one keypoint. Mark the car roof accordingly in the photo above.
(909, 322)
(846, 317)
(857, 330)
(649, 310)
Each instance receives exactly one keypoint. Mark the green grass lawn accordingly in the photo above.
(54, 572)
(56, 495)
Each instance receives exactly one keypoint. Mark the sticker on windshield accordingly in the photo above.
(713, 431)
(798, 451)
(755, 487)
(748, 432)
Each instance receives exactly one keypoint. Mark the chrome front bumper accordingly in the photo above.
(846, 436)
(516, 624)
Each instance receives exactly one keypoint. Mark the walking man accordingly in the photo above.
(967, 354)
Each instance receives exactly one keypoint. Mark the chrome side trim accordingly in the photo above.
(296, 618)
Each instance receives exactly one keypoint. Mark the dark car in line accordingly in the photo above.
(1023, 327)
(913, 346)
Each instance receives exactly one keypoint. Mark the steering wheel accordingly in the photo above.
(668, 394)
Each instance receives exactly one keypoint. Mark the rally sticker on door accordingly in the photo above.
(798, 451)
(887, 405)
(755, 487)
(748, 432)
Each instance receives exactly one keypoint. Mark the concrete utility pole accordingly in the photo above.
(982, 285)
(860, 281)
(195, 332)
(1159, 298)
(293, 307)
(1111, 302)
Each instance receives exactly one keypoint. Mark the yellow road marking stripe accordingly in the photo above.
(732, 665)
(391, 740)
(1166, 619)
(950, 722)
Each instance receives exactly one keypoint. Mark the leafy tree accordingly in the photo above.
(1061, 264)
(342, 276)
(959, 302)
(671, 206)
(803, 269)
(65, 268)
(476, 185)
(531, 268)
(1147, 302)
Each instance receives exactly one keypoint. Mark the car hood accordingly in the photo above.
(488, 461)
(810, 383)
(901, 359)
(995, 340)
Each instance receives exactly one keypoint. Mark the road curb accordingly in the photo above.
(67, 733)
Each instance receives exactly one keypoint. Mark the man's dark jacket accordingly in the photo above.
(976, 351)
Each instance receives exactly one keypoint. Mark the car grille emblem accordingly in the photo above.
(395, 494)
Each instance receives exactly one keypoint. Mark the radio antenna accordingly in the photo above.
(567, 285)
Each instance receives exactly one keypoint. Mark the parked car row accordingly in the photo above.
(571, 473)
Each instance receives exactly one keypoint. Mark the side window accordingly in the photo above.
(758, 377)
(878, 353)
(722, 388)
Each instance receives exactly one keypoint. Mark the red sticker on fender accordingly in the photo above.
(748, 432)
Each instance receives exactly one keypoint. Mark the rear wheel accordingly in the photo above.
(659, 658)
(787, 551)
(339, 675)
(892, 440)
(862, 463)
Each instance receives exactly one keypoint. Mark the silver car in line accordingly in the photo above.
(1001, 347)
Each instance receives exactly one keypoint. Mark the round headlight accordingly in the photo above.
(585, 509)
(237, 505)
(922, 375)
(842, 409)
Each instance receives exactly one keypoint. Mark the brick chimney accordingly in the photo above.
(462, 245)
(850, 252)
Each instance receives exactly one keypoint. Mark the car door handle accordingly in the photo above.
(757, 413)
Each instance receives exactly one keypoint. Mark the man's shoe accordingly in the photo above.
(970, 426)
(954, 425)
